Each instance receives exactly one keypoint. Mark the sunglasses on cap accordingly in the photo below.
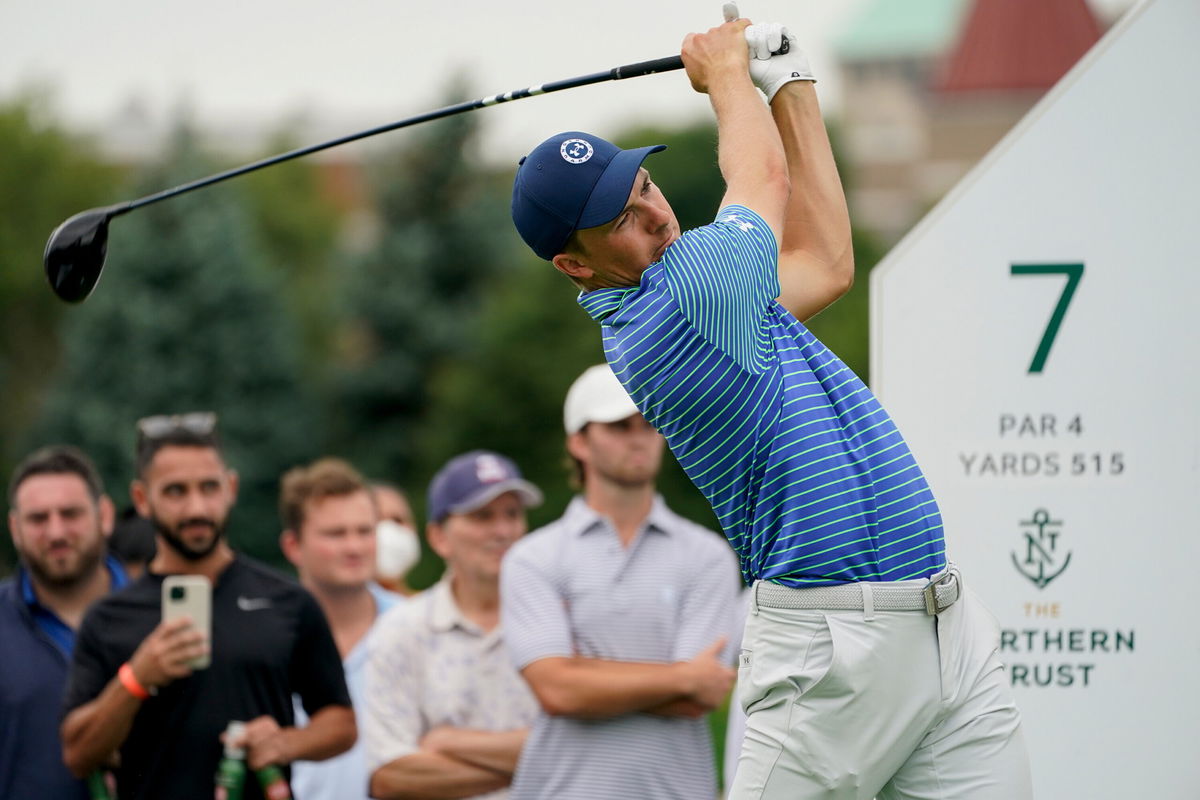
(197, 423)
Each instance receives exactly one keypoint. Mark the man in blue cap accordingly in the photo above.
(867, 670)
(446, 714)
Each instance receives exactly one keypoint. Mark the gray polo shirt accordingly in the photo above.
(570, 588)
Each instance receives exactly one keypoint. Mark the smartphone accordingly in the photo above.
(189, 596)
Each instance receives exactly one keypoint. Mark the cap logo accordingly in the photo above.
(576, 151)
(489, 469)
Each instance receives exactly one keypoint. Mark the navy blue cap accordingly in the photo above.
(571, 181)
(474, 479)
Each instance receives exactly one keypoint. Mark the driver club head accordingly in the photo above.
(75, 253)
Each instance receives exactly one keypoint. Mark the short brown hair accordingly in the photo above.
(325, 477)
(58, 459)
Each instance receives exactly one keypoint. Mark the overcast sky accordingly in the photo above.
(351, 64)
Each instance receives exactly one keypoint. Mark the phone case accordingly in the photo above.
(189, 596)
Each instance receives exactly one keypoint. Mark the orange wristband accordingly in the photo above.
(131, 683)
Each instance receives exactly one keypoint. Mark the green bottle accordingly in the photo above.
(97, 785)
(231, 772)
(274, 785)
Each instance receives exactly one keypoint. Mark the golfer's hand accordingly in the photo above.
(264, 742)
(716, 55)
(708, 678)
(163, 656)
(770, 72)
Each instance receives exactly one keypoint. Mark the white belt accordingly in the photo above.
(941, 592)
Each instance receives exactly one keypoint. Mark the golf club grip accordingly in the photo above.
(647, 67)
(668, 64)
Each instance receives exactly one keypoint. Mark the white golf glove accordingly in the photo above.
(770, 72)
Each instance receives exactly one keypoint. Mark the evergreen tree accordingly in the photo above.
(298, 222)
(414, 299)
(187, 317)
(46, 176)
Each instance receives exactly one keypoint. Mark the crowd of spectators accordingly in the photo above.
(580, 660)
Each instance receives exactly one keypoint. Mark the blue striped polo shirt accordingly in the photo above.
(808, 475)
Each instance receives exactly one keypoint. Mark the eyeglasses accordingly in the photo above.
(197, 423)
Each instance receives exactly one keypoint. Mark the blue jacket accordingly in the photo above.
(33, 675)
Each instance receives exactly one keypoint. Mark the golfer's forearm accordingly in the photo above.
(424, 774)
(816, 259)
(586, 687)
(749, 151)
(93, 731)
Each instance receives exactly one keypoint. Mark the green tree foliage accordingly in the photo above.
(413, 301)
(298, 223)
(47, 175)
(188, 316)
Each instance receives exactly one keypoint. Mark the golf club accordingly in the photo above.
(75, 252)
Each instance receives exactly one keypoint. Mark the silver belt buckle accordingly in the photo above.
(930, 598)
(930, 590)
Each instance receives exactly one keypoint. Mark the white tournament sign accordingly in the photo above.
(1036, 338)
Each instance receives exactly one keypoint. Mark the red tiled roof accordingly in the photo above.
(1018, 44)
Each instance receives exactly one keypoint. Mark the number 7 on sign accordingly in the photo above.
(1074, 273)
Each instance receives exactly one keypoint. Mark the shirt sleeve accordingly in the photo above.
(391, 720)
(316, 668)
(532, 612)
(710, 606)
(725, 276)
(91, 668)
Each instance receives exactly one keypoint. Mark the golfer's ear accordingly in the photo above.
(572, 267)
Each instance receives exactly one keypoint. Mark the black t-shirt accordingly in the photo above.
(270, 639)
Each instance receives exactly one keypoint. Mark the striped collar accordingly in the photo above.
(601, 303)
(580, 518)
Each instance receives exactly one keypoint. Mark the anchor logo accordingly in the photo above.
(1042, 562)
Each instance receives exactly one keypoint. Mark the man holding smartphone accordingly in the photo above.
(132, 687)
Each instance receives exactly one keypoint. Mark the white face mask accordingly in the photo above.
(397, 549)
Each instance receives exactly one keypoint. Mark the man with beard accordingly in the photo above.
(621, 617)
(59, 518)
(131, 690)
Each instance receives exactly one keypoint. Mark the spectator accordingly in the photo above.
(393, 504)
(132, 542)
(447, 714)
(329, 519)
(398, 547)
(59, 518)
(131, 688)
(621, 616)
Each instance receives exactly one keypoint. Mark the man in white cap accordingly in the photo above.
(621, 616)
(446, 714)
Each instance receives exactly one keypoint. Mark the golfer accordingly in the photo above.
(867, 669)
